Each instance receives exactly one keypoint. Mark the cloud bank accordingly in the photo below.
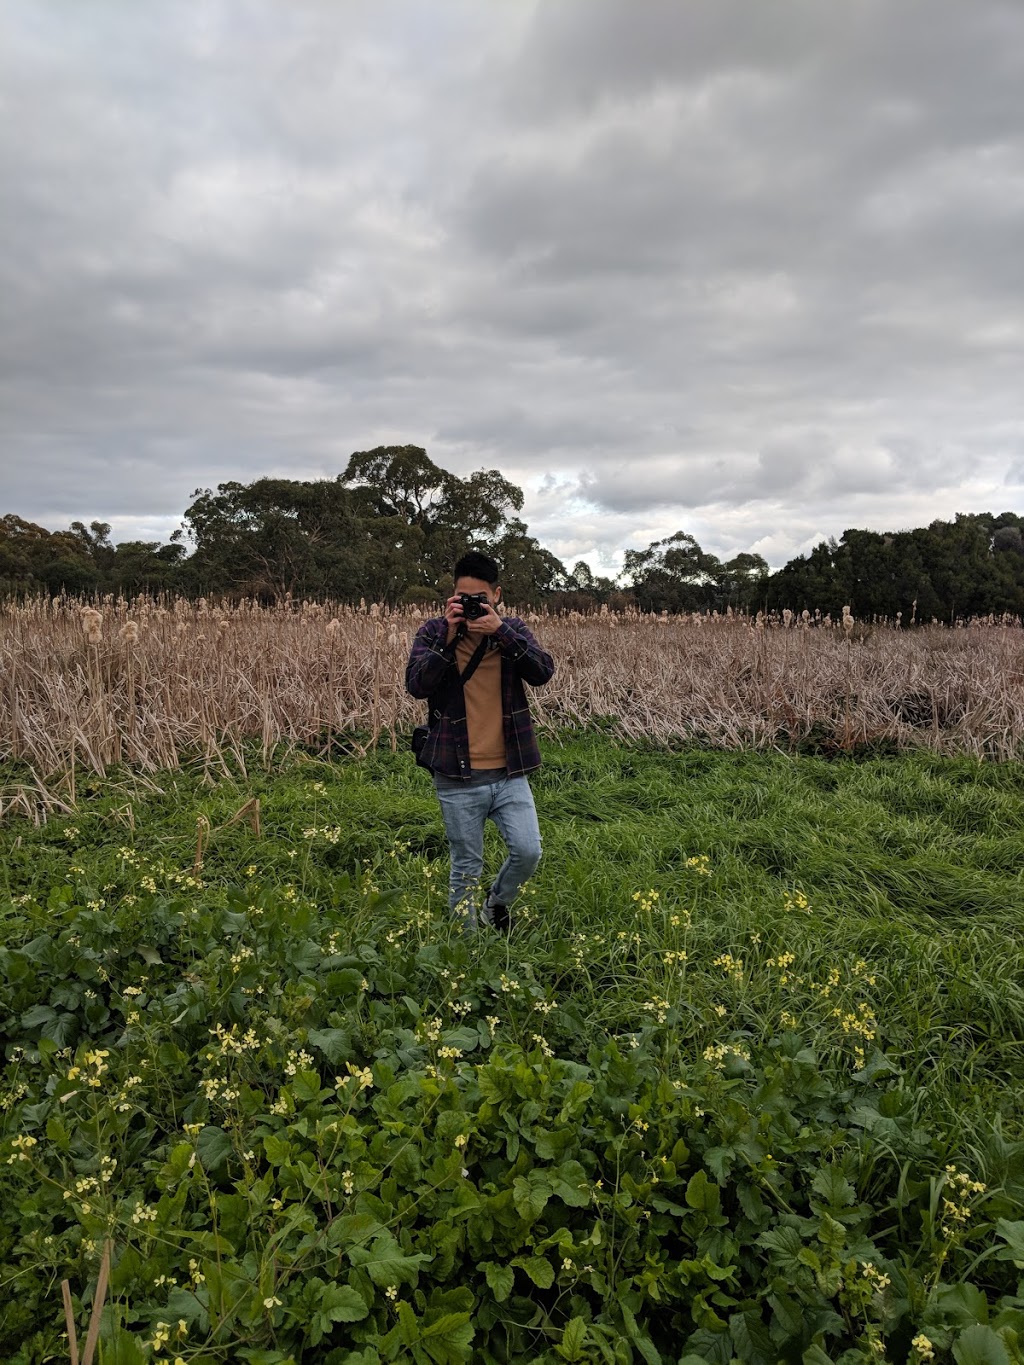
(753, 274)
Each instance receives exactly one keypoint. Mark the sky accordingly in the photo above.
(750, 271)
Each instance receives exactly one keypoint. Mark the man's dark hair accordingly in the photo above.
(473, 564)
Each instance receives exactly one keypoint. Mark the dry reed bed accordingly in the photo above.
(144, 685)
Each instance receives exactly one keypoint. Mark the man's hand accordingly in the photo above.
(486, 624)
(453, 615)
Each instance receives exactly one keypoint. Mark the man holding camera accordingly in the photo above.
(470, 665)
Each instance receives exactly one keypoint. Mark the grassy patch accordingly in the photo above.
(757, 1028)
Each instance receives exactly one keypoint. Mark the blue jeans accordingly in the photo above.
(466, 805)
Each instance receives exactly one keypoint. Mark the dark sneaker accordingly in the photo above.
(498, 917)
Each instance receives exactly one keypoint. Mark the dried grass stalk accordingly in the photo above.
(185, 680)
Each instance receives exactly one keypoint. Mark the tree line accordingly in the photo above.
(390, 526)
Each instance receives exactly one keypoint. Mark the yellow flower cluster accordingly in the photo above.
(782, 963)
(329, 833)
(956, 1207)
(825, 988)
(22, 1145)
(658, 1007)
(361, 1074)
(96, 1060)
(217, 1090)
(10, 1097)
(878, 1281)
(646, 900)
(860, 1022)
(232, 1043)
(161, 1336)
(732, 966)
(796, 900)
(700, 863)
(674, 957)
(295, 1060)
(923, 1347)
(718, 1052)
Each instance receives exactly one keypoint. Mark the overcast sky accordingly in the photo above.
(753, 271)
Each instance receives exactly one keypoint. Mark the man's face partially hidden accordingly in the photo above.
(472, 586)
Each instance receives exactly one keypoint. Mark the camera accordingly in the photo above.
(474, 605)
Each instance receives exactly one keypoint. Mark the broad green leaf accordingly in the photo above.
(639, 1338)
(334, 1043)
(703, 1194)
(59, 1134)
(569, 1181)
(752, 1339)
(530, 1195)
(720, 1161)
(184, 1303)
(834, 1188)
(352, 1229)
(38, 1016)
(958, 1305)
(305, 1086)
(386, 1263)
(539, 1269)
(121, 1348)
(551, 1146)
(500, 1279)
(448, 1340)
(1012, 1234)
(214, 1147)
(465, 1039)
(576, 1100)
(573, 1340)
(175, 1166)
(979, 1345)
(278, 1150)
(341, 1303)
(753, 1204)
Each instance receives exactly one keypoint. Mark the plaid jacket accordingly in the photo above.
(431, 673)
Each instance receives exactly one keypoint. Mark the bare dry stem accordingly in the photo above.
(198, 680)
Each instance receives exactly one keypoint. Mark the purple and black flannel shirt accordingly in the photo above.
(431, 673)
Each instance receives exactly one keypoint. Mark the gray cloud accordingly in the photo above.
(681, 266)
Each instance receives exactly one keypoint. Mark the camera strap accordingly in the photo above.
(434, 714)
(474, 662)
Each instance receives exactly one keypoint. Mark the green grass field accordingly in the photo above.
(744, 1082)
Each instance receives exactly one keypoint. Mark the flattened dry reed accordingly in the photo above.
(147, 684)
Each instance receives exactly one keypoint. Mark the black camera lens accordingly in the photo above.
(474, 605)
